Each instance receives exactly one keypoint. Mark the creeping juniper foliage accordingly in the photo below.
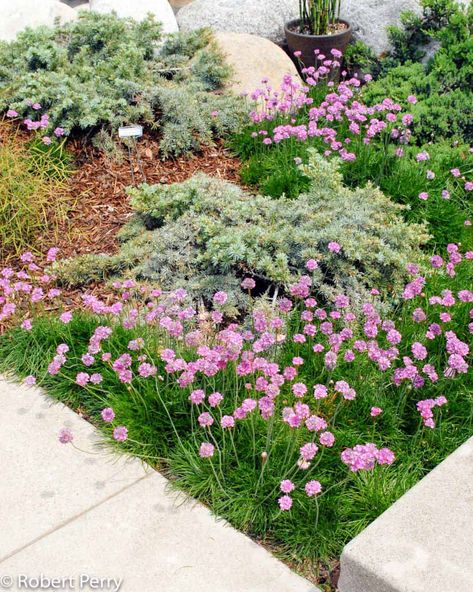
(101, 72)
(205, 233)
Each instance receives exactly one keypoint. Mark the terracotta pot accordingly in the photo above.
(307, 44)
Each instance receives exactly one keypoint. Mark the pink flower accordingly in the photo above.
(205, 420)
(52, 254)
(320, 391)
(206, 450)
(66, 317)
(227, 422)
(287, 486)
(65, 436)
(327, 439)
(299, 389)
(423, 195)
(248, 284)
(412, 99)
(307, 452)
(12, 113)
(220, 298)
(120, 434)
(30, 380)
(385, 456)
(312, 488)
(27, 325)
(418, 351)
(455, 172)
(311, 264)
(375, 411)
(108, 414)
(196, 397)
(82, 378)
(46, 140)
(215, 399)
(285, 503)
(334, 247)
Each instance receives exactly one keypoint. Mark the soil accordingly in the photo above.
(333, 29)
(99, 204)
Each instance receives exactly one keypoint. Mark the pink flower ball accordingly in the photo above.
(120, 434)
(65, 436)
(285, 503)
(311, 264)
(206, 450)
(287, 486)
(108, 414)
(327, 439)
(220, 298)
(375, 411)
(312, 488)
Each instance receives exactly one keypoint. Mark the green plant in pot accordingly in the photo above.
(319, 27)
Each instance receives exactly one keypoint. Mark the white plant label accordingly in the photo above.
(130, 131)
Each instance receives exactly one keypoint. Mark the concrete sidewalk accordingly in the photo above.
(74, 516)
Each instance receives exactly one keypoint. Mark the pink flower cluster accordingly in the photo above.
(425, 409)
(197, 349)
(38, 124)
(364, 457)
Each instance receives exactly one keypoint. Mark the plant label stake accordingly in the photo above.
(128, 134)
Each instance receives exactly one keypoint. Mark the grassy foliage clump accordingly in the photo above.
(171, 376)
(31, 184)
(100, 72)
(205, 233)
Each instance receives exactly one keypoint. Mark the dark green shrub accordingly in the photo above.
(204, 234)
(101, 72)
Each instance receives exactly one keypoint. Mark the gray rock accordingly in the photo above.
(265, 18)
(18, 15)
(369, 19)
(138, 9)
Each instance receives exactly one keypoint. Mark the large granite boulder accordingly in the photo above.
(264, 18)
(20, 14)
(138, 9)
(253, 58)
(369, 19)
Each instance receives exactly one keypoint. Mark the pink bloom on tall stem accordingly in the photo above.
(375, 411)
(108, 414)
(285, 503)
(312, 488)
(206, 450)
(120, 434)
(287, 486)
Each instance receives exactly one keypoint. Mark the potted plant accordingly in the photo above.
(319, 26)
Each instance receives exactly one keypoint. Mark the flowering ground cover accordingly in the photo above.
(300, 424)
(402, 131)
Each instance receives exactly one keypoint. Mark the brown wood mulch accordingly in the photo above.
(99, 204)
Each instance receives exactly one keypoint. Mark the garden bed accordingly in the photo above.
(296, 359)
